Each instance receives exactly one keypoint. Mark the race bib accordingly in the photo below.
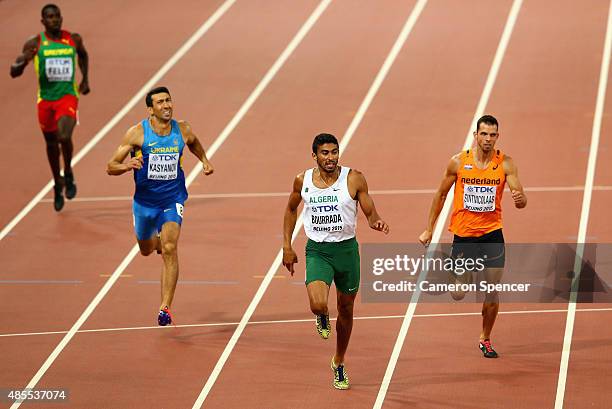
(58, 69)
(478, 198)
(163, 166)
(325, 216)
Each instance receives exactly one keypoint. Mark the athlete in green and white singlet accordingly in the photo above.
(330, 194)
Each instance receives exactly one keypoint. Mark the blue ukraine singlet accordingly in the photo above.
(161, 180)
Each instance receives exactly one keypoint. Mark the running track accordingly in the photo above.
(545, 94)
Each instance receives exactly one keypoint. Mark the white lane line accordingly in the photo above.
(190, 178)
(484, 99)
(2, 282)
(584, 214)
(137, 98)
(308, 320)
(197, 282)
(378, 80)
(257, 195)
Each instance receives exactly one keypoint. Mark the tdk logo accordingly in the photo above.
(326, 208)
(480, 189)
(164, 158)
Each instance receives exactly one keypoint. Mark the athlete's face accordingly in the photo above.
(327, 157)
(162, 106)
(52, 20)
(486, 137)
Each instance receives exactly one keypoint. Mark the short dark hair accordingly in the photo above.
(322, 139)
(48, 6)
(487, 119)
(156, 90)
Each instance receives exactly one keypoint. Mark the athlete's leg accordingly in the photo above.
(490, 307)
(461, 251)
(319, 276)
(148, 246)
(53, 154)
(48, 125)
(65, 119)
(460, 280)
(344, 325)
(494, 252)
(347, 279)
(169, 242)
(318, 293)
(146, 228)
(65, 126)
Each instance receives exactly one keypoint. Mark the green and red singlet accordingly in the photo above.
(55, 64)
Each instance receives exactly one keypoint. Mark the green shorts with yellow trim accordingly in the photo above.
(334, 261)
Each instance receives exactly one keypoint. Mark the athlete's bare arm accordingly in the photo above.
(133, 139)
(83, 63)
(516, 188)
(450, 175)
(27, 54)
(289, 256)
(357, 183)
(194, 145)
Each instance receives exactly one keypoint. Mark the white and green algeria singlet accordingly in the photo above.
(330, 214)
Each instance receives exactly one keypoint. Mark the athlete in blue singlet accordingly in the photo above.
(156, 149)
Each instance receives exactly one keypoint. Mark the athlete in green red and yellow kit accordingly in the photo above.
(54, 52)
(330, 194)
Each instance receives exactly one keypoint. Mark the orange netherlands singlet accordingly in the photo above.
(478, 194)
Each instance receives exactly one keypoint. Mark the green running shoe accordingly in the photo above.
(323, 325)
(341, 380)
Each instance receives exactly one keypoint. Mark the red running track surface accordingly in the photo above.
(55, 264)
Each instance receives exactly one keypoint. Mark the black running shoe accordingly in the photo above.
(58, 200)
(487, 349)
(71, 189)
(164, 318)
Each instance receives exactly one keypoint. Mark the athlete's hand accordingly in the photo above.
(519, 199)
(289, 259)
(84, 87)
(425, 238)
(134, 163)
(380, 226)
(208, 168)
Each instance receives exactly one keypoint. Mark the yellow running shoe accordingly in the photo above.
(323, 326)
(341, 380)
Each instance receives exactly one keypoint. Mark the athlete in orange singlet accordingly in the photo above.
(479, 176)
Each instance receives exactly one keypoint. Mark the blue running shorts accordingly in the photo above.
(148, 221)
